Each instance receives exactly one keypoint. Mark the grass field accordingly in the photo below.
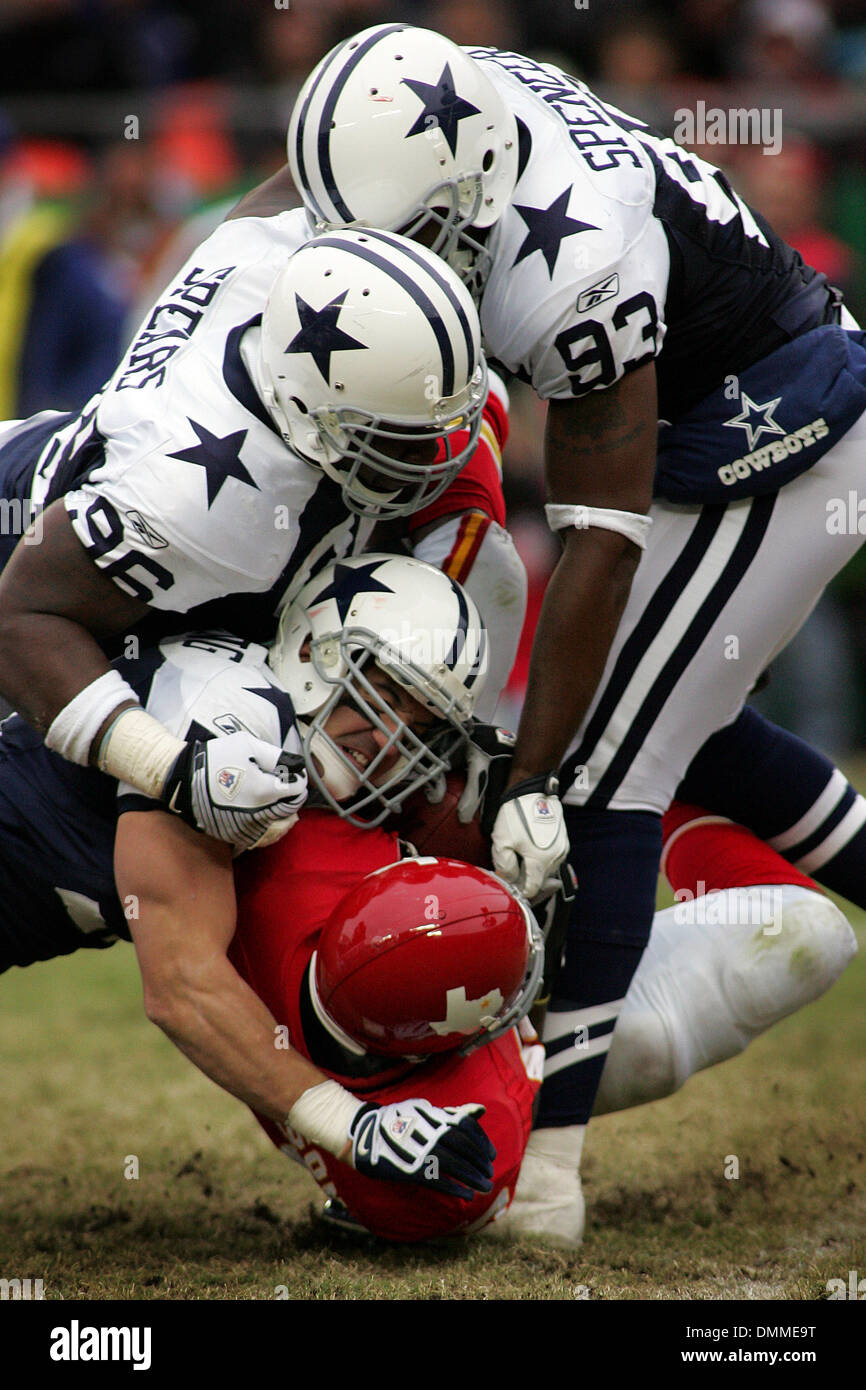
(217, 1213)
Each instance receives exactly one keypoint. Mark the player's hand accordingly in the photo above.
(488, 763)
(237, 788)
(414, 1141)
(529, 839)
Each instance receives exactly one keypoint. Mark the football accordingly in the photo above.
(436, 829)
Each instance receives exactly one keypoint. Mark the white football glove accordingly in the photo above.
(414, 1141)
(529, 840)
(237, 788)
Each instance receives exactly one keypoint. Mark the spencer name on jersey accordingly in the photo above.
(175, 478)
(619, 246)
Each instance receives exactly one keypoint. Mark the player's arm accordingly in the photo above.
(185, 895)
(54, 606)
(463, 533)
(600, 452)
(275, 195)
(186, 919)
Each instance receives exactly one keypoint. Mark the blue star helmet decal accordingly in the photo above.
(320, 334)
(349, 581)
(220, 458)
(548, 228)
(442, 107)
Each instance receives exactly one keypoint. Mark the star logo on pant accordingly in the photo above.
(748, 415)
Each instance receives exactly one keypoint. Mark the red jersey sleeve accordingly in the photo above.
(287, 892)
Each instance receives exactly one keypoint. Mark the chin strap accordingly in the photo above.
(338, 778)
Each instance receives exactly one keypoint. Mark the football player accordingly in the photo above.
(398, 976)
(278, 401)
(304, 1050)
(707, 393)
(383, 656)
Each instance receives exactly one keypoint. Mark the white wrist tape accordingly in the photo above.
(76, 726)
(139, 750)
(632, 525)
(323, 1114)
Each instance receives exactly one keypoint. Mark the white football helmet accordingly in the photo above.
(397, 128)
(424, 632)
(370, 355)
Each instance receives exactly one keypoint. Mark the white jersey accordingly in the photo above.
(176, 480)
(58, 820)
(619, 247)
(203, 685)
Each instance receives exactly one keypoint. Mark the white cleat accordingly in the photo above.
(548, 1200)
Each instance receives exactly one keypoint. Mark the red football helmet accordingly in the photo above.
(424, 956)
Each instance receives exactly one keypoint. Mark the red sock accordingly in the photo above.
(703, 852)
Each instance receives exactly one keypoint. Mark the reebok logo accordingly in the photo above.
(230, 724)
(598, 293)
(147, 533)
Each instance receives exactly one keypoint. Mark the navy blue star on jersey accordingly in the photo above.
(348, 583)
(548, 228)
(320, 335)
(442, 107)
(280, 702)
(220, 459)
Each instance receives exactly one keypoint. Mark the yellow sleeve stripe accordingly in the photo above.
(488, 434)
(472, 530)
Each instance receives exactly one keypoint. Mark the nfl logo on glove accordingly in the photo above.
(229, 779)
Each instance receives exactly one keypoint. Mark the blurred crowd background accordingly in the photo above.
(128, 128)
